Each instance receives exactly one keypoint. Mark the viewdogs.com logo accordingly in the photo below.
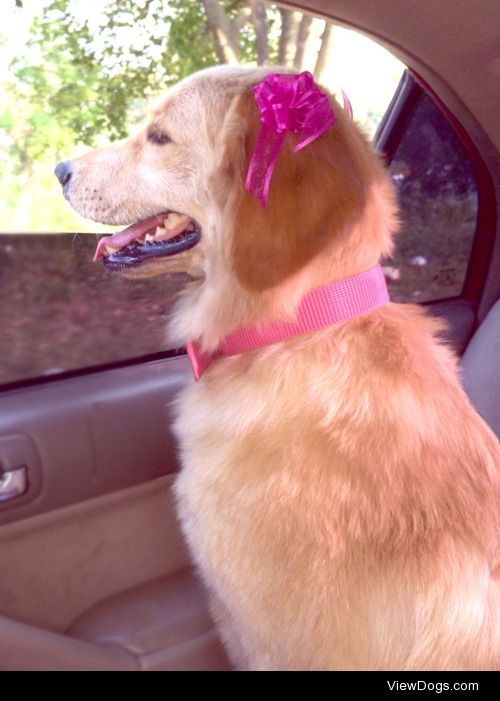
(437, 687)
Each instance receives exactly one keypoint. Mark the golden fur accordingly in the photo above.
(338, 491)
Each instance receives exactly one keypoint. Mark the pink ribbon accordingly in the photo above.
(347, 105)
(286, 103)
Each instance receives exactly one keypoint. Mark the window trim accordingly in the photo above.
(397, 116)
(91, 370)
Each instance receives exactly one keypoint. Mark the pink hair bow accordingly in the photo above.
(287, 103)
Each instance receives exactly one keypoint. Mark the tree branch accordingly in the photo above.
(324, 52)
(302, 37)
(259, 20)
(218, 23)
(289, 28)
(238, 23)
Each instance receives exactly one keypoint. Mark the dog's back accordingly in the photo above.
(340, 495)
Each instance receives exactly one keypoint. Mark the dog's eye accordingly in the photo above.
(156, 138)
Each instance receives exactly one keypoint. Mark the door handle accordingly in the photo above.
(21, 476)
(13, 483)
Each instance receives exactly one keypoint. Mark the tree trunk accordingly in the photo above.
(238, 23)
(302, 38)
(220, 28)
(290, 21)
(324, 53)
(259, 19)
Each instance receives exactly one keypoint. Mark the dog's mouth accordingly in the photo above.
(165, 234)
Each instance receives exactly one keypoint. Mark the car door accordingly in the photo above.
(95, 574)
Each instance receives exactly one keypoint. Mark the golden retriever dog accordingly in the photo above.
(338, 491)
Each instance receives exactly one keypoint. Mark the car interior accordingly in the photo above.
(95, 574)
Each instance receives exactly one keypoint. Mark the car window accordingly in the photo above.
(437, 193)
(61, 312)
(78, 74)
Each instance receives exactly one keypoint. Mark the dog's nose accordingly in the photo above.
(63, 172)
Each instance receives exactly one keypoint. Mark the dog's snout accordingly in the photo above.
(63, 172)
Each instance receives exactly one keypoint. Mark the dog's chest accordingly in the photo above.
(229, 474)
(209, 427)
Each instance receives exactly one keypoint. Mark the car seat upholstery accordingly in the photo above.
(164, 625)
(481, 369)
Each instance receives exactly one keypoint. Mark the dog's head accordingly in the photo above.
(330, 212)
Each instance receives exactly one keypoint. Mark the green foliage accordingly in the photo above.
(93, 69)
(190, 44)
(85, 75)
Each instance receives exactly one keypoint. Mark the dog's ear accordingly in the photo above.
(315, 196)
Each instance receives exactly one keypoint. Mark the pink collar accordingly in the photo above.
(319, 308)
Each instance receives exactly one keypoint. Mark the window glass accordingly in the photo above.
(61, 312)
(437, 194)
(75, 74)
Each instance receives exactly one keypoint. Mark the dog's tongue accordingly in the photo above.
(131, 233)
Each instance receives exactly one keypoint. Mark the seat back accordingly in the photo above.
(481, 369)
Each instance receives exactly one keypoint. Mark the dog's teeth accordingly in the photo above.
(110, 250)
(148, 238)
(173, 219)
(159, 231)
